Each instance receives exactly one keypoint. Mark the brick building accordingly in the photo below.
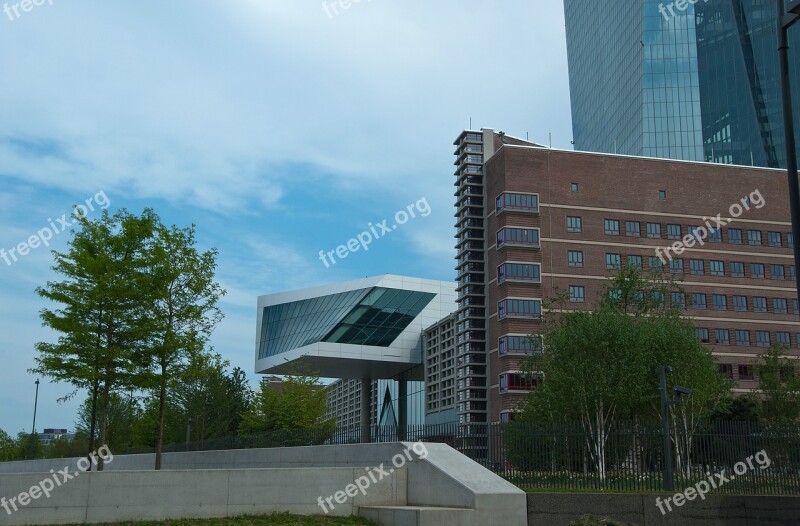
(533, 221)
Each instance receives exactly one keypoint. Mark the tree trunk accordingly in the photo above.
(104, 420)
(92, 426)
(162, 396)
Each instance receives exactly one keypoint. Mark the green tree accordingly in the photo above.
(778, 385)
(29, 446)
(124, 412)
(99, 317)
(8, 447)
(600, 366)
(300, 402)
(181, 316)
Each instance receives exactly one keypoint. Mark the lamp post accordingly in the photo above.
(785, 19)
(35, 405)
(669, 484)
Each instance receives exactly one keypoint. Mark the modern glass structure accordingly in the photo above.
(702, 84)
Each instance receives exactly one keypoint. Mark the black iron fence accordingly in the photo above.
(731, 457)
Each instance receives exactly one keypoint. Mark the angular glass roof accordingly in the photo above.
(374, 316)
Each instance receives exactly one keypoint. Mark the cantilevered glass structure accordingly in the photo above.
(369, 328)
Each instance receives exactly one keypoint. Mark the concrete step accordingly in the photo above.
(417, 515)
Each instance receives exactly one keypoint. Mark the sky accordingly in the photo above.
(279, 128)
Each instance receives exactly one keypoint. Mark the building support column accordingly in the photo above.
(402, 409)
(366, 410)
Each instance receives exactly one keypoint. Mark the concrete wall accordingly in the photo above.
(559, 509)
(139, 495)
(223, 483)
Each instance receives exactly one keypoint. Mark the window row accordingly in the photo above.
(734, 236)
(517, 202)
(519, 272)
(518, 236)
(520, 344)
(519, 308)
(697, 267)
(519, 382)
(745, 337)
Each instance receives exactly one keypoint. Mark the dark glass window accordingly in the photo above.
(633, 229)
(774, 239)
(737, 269)
(754, 237)
(720, 302)
(678, 299)
(783, 338)
(702, 334)
(717, 268)
(698, 300)
(577, 294)
(746, 371)
(734, 236)
(518, 202)
(518, 236)
(722, 336)
(574, 224)
(518, 272)
(635, 261)
(726, 369)
(743, 338)
(756, 270)
(674, 232)
(612, 227)
(575, 258)
(740, 303)
(780, 306)
(759, 304)
(696, 266)
(762, 339)
(520, 344)
(518, 308)
(654, 230)
(676, 265)
(777, 272)
(613, 261)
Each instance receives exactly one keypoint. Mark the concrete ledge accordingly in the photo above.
(432, 488)
(559, 509)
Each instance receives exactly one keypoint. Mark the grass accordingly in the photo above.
(594, 520)
(276, 519)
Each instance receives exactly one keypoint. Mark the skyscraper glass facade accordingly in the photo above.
(700, 84)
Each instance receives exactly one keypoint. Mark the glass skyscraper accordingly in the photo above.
(701, 84)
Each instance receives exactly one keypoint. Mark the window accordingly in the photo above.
(615, 294)
(737, 269)
(513, 308)
(518, 202)
(518, 236)
(745, 372)
(702, 335)
(796, 306)
(678, 300)
(783, 338)
(790, 240)
(635, 261)
(762, 339)
(613, 261)
(573, 187)
(743, 338)
(722, 336)
(720, 302)
(633, 229)
(520, 344)
(780, 306)
(777, 272)
(734, 236)
(756, 270)
(577, 294)
(612, 227)
(759, 304)
(574, 224)
(519, 272)
(658, 298)
(662, 195)
(676, 266)
(575, 258)
(698, 300)
(519, 382)
(792, 273)
(754, 237)
(774, 239)
(715, 235)
(740, 303)
(655, 263)
(696, 266)
(654, 230)
(507, 416)
(717, 268)
(726, 369)
(698, 232)
(674, 232)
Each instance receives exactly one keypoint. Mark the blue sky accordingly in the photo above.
(277, 129)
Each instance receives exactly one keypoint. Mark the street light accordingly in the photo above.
(35, 405)
(785, 19)
(665, 403)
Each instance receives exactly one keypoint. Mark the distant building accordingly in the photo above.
(51, 435)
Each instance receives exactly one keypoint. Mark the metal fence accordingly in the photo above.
(732, 457)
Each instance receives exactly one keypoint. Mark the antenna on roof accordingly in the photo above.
(550, 134)
(470, 123)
